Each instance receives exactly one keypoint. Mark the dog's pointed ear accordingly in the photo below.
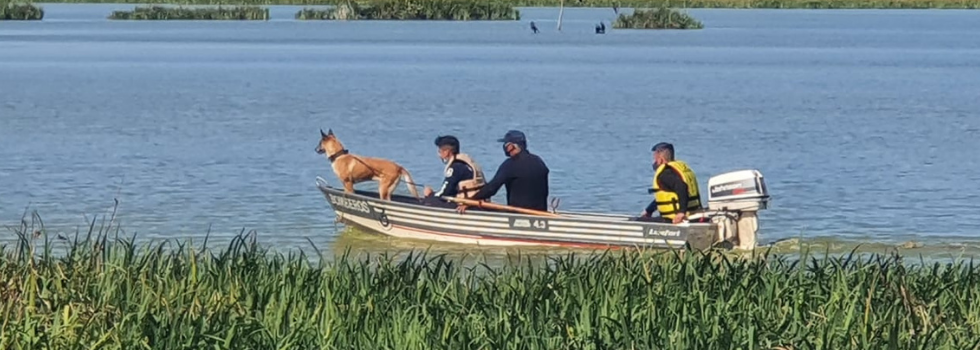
(330, 132)
(322, 134)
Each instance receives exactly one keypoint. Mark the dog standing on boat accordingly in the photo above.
(352, 169)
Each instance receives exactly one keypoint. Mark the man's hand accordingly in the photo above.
(679, 218)
(644, 214)
(427, 191)
(461, 208)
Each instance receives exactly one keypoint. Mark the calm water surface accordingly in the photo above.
(864, 123)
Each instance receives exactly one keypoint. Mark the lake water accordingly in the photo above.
(864, 123)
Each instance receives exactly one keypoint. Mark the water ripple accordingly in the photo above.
(863, 126)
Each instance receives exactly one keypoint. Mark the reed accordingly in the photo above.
(253, 13)
(453, 10)
(743, 4)
(661, 18)
(102, 291)
(10, 11)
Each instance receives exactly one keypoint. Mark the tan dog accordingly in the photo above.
(352, 169)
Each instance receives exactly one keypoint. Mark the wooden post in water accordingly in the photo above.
(561, 12)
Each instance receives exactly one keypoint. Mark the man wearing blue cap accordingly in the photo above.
(524, 174)
(463, 176)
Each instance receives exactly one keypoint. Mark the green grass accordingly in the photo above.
(10, 11)
(806, 4)
(253, 13)
(105, 292)
(661, 18)
(454, 10)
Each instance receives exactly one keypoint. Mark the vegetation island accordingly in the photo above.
(11, 11)
(661, 18)
(455, 10)
(253, 13)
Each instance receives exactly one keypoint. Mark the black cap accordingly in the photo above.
(662, 146)
(447, 140)
(514, 136)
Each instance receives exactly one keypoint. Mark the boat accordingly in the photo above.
(730, 220)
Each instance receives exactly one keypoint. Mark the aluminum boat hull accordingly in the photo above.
(404, 217)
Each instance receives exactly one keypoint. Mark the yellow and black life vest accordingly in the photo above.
(666, 200)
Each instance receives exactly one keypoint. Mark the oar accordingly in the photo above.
(482, 204)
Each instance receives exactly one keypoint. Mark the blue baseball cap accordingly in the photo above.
(514, 136)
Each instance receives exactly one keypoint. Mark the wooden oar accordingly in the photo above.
(482, 204)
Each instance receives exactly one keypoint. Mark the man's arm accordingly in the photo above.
(672, 180)
(450, 185)
(442, 190)
(651, 208)
(504, 174)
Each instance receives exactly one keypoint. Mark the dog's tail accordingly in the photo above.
(409, 182)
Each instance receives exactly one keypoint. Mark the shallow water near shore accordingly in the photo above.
(864, 122)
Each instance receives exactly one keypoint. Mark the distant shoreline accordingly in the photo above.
(478, 10)
(695, 4)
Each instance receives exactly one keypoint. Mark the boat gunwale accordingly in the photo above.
(566, 216)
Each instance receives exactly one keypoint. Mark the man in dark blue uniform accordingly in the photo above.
(524, 174)
(457, 171)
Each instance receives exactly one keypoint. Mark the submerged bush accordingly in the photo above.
(20, 12)
(184, 13)
(105, 292)
(308, 14)
(456, 10)
(661, 18)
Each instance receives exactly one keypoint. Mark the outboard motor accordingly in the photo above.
(734, 200)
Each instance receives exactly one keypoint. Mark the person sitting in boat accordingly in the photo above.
(463, 176)
(675, 187)
(524, 174)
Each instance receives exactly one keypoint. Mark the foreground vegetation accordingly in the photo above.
(786, 4)
(456, 10)
(105, 292)
(661, 18)
(20, 12)
(183, 13)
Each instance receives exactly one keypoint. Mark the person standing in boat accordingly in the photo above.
(524, 174)
(675, 187)
(463, 176)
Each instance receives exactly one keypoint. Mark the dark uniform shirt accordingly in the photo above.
(526, 178)
(458, 171)
(671, 181)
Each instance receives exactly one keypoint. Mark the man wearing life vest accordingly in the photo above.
(463, 176)
(675, 188)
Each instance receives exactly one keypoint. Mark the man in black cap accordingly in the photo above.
(524, 174)
(675, 188)
(463, 176)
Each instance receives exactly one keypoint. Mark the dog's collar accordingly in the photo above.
(334, 156)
